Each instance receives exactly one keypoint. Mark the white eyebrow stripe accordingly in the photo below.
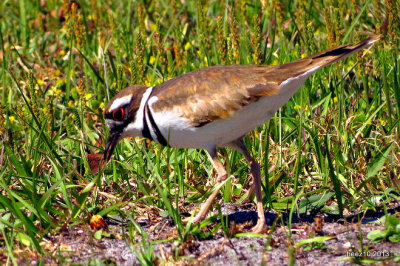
(120, 102)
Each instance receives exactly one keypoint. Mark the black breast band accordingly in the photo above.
(146, 130)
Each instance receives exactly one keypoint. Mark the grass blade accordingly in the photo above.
(378, 162)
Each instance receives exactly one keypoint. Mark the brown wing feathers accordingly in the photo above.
(213, 93)
(216, 92)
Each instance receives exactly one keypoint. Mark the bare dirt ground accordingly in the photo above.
(77, 244)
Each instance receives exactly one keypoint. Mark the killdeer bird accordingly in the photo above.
(212, 108)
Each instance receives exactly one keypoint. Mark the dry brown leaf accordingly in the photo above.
(95, 161)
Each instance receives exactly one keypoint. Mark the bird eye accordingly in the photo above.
(118, 114)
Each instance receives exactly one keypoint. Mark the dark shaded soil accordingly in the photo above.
(77, 244)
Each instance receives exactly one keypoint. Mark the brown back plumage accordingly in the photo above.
(217, 92)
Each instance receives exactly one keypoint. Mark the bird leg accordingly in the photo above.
(221, 172)
(251, 189)
(250, 193)
(255, 172)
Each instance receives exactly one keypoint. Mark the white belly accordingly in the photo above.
(180, 134)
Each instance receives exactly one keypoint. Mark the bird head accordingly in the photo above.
(124, 116)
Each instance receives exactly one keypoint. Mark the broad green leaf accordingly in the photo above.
(394, 238)
(250, 235)
(314, 202)
(376, 235)
(317, 239)
(24, 239)
(378, 162)
(98, 234)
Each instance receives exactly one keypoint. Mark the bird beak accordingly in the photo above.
(112, 141)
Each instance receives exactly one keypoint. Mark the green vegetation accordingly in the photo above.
(314, 243)
(334, 145)
(391, 231)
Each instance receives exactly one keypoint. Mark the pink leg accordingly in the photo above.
(255, 172)
(251, 189)
(221, 177)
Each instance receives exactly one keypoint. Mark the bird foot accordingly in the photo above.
(260, 227)
(197, 219)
